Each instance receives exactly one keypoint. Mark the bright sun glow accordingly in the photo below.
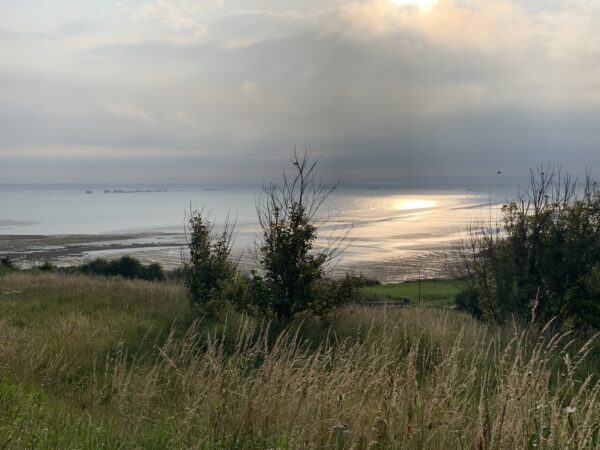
(406, 204)
(422, 4)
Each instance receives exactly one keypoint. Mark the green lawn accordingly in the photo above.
(433, 292)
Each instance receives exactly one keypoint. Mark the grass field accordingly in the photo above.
(90, 363)
(430, 292)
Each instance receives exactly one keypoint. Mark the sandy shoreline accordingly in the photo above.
(168, 248)
(32, 249)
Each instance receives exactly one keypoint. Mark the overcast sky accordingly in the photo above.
(219, 90)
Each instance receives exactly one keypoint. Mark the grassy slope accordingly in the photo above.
(56, 331)
(434, 292)
(93, 363)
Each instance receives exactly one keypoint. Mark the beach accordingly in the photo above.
(391, 233)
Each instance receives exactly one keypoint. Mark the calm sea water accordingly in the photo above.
(395, 231)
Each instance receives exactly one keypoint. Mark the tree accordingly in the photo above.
(209, 268)
(544, 261)
(294, 274)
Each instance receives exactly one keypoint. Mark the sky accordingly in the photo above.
(223, 91)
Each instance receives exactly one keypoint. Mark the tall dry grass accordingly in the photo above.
(410, 379)
(378, 393)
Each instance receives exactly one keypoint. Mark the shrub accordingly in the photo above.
(7, 265)
(126, 266)
(294, 274)
(544, 262)
(467, 300)
(209, 268)
(47, 266)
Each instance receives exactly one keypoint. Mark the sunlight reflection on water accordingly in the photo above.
(404, 204)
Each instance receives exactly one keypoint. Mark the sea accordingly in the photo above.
(391, 232)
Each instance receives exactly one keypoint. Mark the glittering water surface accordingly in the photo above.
(395, 232)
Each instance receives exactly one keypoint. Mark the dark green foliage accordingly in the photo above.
(254, 294)
(545, 263)
(155, 272)
(48, 266)
(126, 267)
(467, 300)
(291, 269)
(334, 293)
(209, 268)
(7, 265)
(294, 273)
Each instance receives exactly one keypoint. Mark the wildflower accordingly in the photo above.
(570, 409)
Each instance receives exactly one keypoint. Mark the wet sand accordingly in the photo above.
(168, 249)
(32, 249)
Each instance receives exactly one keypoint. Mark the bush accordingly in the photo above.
(209, 268)
(7, 265)
(544, 262)
(468, 300)
(47, 266)
(294, 277)
(126, 266)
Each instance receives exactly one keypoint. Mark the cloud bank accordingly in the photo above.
(218, 90)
